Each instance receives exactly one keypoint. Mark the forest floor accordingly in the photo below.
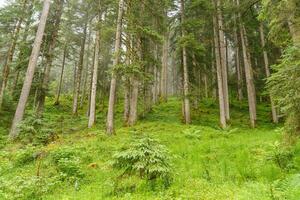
(207, 162)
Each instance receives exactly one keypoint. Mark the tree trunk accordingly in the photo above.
(79, 70)
(164, 69)
(112, 93)
(30, 71)
(219, 76)
(187, 114)
(267, 70)
(49, 56)
(86, 72)
(61, 76)
(248, 73)
(238, 66)
(92, 115)
(222, 46)
(10, 55)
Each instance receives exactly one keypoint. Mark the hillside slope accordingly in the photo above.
(207, 163)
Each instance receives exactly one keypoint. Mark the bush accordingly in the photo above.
(25, 156)
(67, 162)
(282, 156)
(35, 130)
(144, 157)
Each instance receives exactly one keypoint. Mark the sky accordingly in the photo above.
(2, 2)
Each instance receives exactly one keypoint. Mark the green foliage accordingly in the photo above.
(146, 157)
(281, 156)
(284, 86)
(25, 188)
(35, 130)
(67, 162)
(25, 156)
(192, 134)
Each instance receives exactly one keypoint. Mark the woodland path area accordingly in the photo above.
(208, 163)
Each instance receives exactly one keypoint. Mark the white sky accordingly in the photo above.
(2, 2)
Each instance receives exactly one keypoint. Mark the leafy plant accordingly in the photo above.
(145, 157)
(281, 156)
(25, 156)
(36, 130)
(67, 162)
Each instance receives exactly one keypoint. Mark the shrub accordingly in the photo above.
(282, 156)
(192, 134)
(36, 130)
(144, 157)
(67, 162)
(25, 156)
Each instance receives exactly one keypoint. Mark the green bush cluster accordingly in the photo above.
(144, 157)
(67, 162)
(35, 130)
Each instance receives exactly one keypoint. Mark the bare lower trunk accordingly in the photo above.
(133, 101)
(267, 70)
(30, 71)
(127, 102)
(92, 112)
(61, 77)
(187, 114)
(111, 102)
(219, 76)
(223, 58)
(164, 70)
(49, 57)
(248, 74)
(79, 72)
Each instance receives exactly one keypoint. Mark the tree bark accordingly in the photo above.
(248, 73)
(18, 117)
(92, 115)
(267, 70)
(164, 69)
(187, 114)
(222, 46)
(61, 76)
(237, 63)
(49, 56)
(113, 83)
(219, 75)
(79, 70)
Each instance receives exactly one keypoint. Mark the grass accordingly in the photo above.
(208, 163)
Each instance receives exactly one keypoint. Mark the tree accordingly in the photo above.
(30, 71)
(187, 114)
(113, 83)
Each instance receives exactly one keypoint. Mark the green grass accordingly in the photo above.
(208, 163)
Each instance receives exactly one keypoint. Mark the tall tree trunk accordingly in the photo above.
(248, 73)
(267, 69)
(92, 115)
(10, 55)
(222, 46)
(86, 72)
(237, 64)
(79, 70)
(219, 75)
(133, 114)
(61, 76)
(30, 71)
(164, 69)
(113, 83)
(49, 56)
(187, 114)
(205, 83)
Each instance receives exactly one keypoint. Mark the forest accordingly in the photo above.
(149, 99)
